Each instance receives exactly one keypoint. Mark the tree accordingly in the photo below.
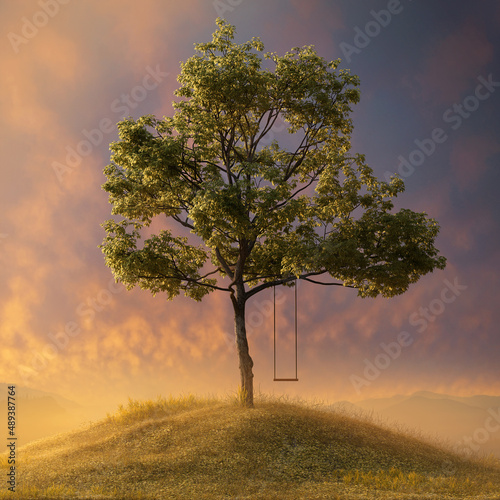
(261, 215)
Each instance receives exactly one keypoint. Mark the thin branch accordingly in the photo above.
(271, 120)
(182, 222)
(223, 262)
(225, 233)
(305, 147)
(284, 202)
(215, 271)
(188, 280)
(328, 284)
(280, 281)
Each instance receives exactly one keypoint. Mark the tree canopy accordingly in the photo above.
(252, 213)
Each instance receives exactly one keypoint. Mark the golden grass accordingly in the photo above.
(192, 448)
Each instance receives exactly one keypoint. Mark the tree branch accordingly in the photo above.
(282, 281)
(223, 262)
(189, 280)
(182, 222)
(271, 120)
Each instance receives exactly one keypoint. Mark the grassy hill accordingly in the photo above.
(191, 448)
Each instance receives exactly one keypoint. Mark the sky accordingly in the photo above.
(429, 110)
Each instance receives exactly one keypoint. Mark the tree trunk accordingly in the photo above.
(246, 362)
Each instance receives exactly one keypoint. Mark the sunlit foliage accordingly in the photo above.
(259, 213)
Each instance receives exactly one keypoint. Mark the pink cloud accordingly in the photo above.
(469, 157)
(453, 64)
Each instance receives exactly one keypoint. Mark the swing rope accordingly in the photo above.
(274, 332)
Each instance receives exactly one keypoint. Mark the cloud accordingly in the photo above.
(453, 63)
(469, 160)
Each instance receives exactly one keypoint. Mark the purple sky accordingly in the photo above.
(430, 107)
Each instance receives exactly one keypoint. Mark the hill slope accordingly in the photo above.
(193, 448)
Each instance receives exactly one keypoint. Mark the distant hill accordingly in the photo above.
(209, 449)
(460, 420)
(28, 393)
(40, 414)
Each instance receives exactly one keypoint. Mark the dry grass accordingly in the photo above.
(186, 448)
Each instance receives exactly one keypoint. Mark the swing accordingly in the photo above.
(276, 379)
